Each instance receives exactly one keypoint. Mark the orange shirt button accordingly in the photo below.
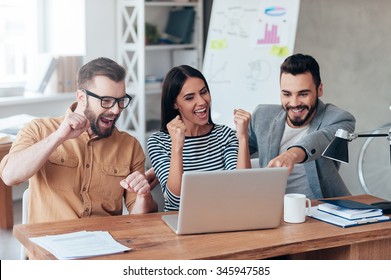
(87, 165)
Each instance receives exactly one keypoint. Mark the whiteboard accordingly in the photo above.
(247, 42)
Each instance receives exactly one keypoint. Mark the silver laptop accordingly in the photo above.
(230, 200)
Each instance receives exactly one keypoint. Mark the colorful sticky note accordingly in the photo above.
(218, 44)
(279, 51)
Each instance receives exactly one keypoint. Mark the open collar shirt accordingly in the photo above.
(266, 130)
(81, 178)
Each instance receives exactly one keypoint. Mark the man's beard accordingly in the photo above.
(297, 121)
(94, 124)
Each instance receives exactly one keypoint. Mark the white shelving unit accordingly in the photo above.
(141, 59)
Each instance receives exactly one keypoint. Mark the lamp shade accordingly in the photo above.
(337, 150)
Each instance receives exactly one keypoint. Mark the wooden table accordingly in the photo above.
(150, 238)
(6, 206)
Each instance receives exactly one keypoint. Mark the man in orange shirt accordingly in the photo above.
(76, 164)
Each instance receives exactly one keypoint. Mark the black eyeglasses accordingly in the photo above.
(108, 101)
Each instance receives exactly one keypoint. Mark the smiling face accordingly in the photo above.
(102, 121)
(193, 102)
(299, 98)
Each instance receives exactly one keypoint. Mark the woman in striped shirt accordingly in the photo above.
(188, 138)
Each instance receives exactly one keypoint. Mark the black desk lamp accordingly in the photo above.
(338, 150)
(338, 147)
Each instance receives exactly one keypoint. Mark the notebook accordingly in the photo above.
(230, 200)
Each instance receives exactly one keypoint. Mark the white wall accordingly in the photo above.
(101, 32)
(64, 36)
(351, 41)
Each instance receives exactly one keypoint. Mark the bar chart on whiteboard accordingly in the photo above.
(246, 44)
(271, 34)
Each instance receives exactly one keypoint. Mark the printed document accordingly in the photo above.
(13, 124)
(80, 244)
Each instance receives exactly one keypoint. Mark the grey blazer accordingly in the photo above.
(266, 130)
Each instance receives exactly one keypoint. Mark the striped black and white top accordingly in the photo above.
(217, 150)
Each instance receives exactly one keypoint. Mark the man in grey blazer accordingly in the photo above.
(295, 134)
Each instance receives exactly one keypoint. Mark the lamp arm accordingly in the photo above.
(352, 136)
(372, 135)
(341, 133)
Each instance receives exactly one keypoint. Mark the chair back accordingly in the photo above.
(25, 200)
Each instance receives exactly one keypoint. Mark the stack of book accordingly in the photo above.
(67, 68)
(347, 213)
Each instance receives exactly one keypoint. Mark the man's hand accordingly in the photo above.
(137, 183)
(72, 126)
(151, 178)
(288, 158)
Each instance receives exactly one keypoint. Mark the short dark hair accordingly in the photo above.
(100, 66)
(172, 86)
(300, 64)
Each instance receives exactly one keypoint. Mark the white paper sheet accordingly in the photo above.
(80, 244)
(6, 138)
(13, 123)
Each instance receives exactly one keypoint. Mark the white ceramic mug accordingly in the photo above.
(295, 207)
